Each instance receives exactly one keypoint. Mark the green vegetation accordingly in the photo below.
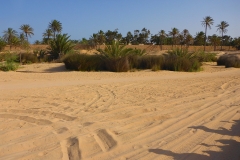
(117, 58)
(207, 22)
(27, 30)
(2, 44)
(9, 62)
(60, 46)
(222, 29)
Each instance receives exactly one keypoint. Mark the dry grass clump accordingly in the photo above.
(229, 60)
(116, 58)
(84, 62)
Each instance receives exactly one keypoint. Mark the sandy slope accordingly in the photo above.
(47, 112)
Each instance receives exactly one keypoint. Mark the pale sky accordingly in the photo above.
(81, 18)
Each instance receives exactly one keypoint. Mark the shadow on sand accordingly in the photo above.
(229, 148)
(56, 69)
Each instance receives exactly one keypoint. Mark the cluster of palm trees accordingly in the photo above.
(13, 39)
(174, 37)
(54, 27)
(144, 36)
(222, 28)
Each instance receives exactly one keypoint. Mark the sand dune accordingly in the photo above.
(47, 112)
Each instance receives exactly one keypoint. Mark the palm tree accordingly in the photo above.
(22, 37)
(9, 34)
(214, 40)
(189, 40)
(55, 26)
(207, 22)
(162, 35)
(60, 46)
(174, 34)
(48, 33)
(27, 30)
(199, 38)
(222, 29)
(185, 32)
(181, 39)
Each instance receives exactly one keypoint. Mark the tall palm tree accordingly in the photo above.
(222, 29)
(162, 35)
(174, 34)
(55, 26)
(27, 30)
(207, 22)
(9, 35)
(48, 33)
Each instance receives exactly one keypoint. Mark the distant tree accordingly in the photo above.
(9, 34)
(129, 37)
(236, 43)
(185, 32)
(37, 42)
(15, 41)
(112, 35)
(174, 33)
(162, 36)
(84, 41)
(155, 39)
(143, 36)
(56, 27)
(135, 37)
(214, 40)
(22, 37)
(199, 38)
(93, 40)
(181, 39)
(222, 29)
(227, 40)
(207, 22)
(27, 30)
(47, 34)
(189, 40)
(101, 37)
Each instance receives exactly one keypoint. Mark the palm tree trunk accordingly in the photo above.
(205, 37)
(26, 36)
(222, 41)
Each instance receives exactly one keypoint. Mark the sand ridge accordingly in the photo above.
(47, 112)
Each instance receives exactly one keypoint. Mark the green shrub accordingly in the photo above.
(182, 60)
(115, 50)
(229, 61)
(205, 57)
(60, 46)
(11, 57)
(9, 66)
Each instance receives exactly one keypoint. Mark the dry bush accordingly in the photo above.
(229, 61)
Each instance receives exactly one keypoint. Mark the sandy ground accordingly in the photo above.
(49, 113)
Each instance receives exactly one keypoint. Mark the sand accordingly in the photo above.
(49, 113)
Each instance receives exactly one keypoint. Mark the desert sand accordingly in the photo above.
(49, 113)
